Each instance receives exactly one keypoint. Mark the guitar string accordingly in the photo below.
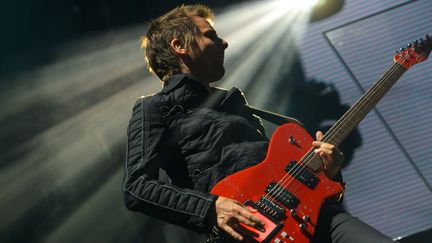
(310, 155)
(383, 81)
(382, 87)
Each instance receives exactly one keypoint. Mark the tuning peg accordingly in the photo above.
(409, 45)
(401, 49)
(396, 53)
(415, 41)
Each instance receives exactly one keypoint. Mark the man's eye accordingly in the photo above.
(212, 35)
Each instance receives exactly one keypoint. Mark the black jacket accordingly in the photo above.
(197, 137)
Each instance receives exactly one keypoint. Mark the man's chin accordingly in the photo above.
(219, 75)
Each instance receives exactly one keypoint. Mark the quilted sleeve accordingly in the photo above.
(143, 191)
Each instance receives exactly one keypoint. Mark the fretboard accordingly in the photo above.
(344, 126)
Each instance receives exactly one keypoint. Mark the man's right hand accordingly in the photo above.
(229, 213)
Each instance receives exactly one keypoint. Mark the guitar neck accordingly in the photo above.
(416, 52)
(344, 126)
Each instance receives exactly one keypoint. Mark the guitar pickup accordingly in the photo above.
(302, 174)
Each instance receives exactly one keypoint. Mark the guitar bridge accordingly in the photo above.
(271, 209)
(282, 195)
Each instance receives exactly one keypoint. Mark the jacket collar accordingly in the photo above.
(176, 80)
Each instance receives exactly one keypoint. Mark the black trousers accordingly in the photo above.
(334, 226)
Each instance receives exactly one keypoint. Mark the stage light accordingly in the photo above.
(302, 4)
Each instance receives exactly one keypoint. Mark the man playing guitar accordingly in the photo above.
(200, 134)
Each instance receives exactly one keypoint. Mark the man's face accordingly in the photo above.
(208, 53)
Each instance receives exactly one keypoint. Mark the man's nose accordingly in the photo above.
(224, 44)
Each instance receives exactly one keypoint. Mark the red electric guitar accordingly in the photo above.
(289, 187)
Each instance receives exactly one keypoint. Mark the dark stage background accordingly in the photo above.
(71, 71)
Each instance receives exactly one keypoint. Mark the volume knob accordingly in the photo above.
(302, 226)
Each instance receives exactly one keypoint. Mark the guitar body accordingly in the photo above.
(288, 217)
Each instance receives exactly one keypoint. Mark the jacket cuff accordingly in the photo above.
(210, 217)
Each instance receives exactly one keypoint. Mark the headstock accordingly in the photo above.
(414, 53)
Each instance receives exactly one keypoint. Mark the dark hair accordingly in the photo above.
(177, 23)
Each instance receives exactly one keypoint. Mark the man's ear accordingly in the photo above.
(178, 47)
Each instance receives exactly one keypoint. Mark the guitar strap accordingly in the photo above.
(272, 117)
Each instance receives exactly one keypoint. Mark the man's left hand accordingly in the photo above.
(331, 156)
